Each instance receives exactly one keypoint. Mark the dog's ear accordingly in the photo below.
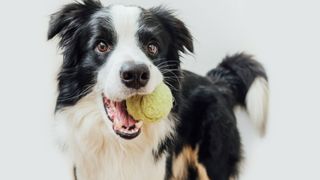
(67, 21)
(177, 29)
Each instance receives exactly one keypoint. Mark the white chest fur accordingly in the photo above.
(121, 165)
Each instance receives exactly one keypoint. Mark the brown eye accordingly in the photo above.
(152, 49)
(103, 47)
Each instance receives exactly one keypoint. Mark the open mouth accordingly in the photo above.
(123, 124)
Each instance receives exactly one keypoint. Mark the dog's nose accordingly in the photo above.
(134, 75)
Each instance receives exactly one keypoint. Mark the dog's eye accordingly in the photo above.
(103, 47)
(152, 48)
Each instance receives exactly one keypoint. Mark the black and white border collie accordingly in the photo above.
(113, 52)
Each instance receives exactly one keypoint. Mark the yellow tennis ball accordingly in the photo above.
(151, 107)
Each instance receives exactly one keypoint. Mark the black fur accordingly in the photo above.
(206, 113)
(161, 25)
(203, 105)
(78, 71)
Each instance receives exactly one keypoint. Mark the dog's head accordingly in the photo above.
(114, 52)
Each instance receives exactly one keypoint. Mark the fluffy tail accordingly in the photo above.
(244, 82)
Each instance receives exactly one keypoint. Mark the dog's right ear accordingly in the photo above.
(179, 32)
(67, 21)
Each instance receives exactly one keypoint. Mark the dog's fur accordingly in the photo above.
(198, 140)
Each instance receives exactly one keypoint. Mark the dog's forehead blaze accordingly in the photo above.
(125, 20)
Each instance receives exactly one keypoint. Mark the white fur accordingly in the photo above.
(257, 103)
(85, 132)
(125, 22)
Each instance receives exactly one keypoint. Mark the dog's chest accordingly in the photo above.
(121, 165)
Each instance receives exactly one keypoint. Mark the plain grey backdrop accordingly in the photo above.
(282, 34)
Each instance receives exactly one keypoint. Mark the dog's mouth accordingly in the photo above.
(122, 123)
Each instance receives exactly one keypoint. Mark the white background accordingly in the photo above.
(283, 34)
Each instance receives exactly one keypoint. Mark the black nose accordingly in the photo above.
(134, 75)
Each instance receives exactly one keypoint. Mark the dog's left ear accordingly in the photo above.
(67, 21)
(180, 34)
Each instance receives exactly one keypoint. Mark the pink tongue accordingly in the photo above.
(121, 118)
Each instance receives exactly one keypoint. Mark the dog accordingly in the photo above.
(111, 53)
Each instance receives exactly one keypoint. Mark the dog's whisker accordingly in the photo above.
(171, 86)
(168, 66)
(166, 61)
(176, 89)
(176, 77)
(170, 70)
(74, 95)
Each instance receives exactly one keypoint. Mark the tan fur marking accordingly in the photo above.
(202, 171)
(188, 157)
